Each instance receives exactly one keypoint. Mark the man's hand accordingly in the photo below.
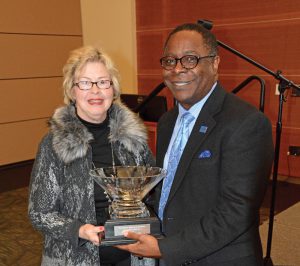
(146, 245)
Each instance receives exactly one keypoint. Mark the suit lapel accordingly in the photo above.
(206, 121)
(164, 133)
(193, 145)
(164, 136)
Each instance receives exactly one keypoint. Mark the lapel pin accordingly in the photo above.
(203, 129)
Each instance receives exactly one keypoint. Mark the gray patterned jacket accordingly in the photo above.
(62, 191)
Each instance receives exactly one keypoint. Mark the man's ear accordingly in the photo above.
(216, 63)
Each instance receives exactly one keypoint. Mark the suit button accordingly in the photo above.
(170, 218)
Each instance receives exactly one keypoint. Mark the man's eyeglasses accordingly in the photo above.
(187, 61)
(87, 85)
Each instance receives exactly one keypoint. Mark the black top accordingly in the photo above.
(102, 157)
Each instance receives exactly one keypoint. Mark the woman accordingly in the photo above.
(93, 129)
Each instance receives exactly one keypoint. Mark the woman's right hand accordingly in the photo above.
(92, 233)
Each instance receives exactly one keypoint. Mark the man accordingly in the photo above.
(211, 214)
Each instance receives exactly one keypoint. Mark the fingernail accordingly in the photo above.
(125, 233)
(101, 228)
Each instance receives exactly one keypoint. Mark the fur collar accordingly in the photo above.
(71, 138)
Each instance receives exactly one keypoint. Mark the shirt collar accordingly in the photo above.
(197, 107)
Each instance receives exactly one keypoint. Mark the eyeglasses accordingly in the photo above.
(187, 61)
(87, 85)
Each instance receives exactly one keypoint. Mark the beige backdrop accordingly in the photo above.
(36, 37)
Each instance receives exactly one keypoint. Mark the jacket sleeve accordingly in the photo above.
(44, 197)
(246, 160)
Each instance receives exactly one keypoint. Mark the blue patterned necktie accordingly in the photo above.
(175, 154)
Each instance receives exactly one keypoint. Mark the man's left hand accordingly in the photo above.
(146, 245)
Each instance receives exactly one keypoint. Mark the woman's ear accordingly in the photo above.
(73, 97)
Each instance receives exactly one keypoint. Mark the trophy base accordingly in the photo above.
(114, 230)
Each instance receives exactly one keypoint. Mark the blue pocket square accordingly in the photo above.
(204, 154)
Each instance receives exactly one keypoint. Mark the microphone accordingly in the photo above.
(207, 24)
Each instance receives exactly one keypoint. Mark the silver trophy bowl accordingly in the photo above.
(127, 186)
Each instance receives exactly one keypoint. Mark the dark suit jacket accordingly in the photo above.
(212, 214)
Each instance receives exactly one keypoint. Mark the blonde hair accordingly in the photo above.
(77, 60)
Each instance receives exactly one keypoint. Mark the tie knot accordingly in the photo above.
(187, 118)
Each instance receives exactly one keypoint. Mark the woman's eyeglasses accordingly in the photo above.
(87, 85)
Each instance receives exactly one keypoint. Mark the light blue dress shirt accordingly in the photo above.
(195, 111)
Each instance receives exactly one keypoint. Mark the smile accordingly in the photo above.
(95, 101)
(181, 83)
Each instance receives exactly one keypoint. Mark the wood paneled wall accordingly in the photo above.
(36, 37)
(266, 31)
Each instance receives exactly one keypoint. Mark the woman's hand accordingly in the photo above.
(92, 233)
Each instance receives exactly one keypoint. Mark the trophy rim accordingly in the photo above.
(162, 172)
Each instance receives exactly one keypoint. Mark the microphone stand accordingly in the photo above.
(284, 84)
